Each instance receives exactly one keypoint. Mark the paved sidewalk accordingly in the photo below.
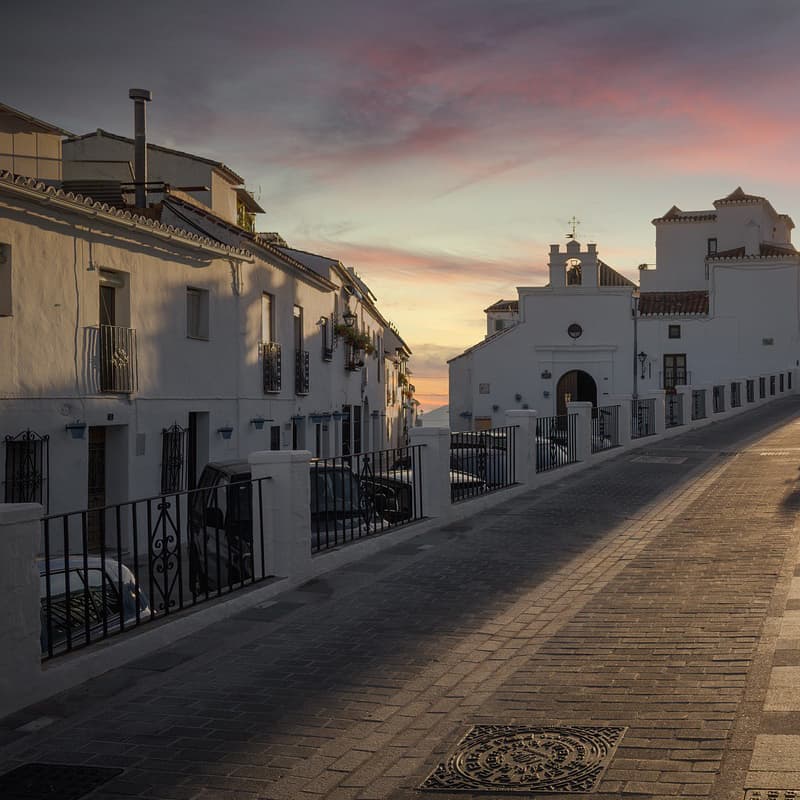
(648, 592)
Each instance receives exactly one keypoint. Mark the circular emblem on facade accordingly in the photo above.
(575, 330)
(514, 758)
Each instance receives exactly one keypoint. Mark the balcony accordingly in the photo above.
(353, 358)
(118, 365)
(271, 366)
(301, 372)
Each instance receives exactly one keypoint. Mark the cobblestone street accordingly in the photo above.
(653, 592)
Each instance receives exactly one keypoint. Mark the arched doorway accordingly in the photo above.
(575, 386)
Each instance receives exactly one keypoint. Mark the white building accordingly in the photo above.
(142, 343)
(722, 307)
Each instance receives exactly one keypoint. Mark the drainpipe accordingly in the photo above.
(140, 97)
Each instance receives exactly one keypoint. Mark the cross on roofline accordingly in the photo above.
(574, 224)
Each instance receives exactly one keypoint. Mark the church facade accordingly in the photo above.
(721, 307)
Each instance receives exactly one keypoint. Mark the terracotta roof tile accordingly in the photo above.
(503, 305)
(672, 303)
(135, 216)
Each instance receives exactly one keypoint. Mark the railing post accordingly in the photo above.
(20, 622)
(285, 497)
(524, 443)
(583, 434)
(435, 460)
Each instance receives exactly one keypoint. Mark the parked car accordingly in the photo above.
(391, 493)
(96, 592)
(483, 453)
(221, 518)
(550, 454)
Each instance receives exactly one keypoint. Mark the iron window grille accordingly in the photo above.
(772, 385)
(118, 364)
(780, 382)
(750, 388)
(736, 395)
(271, 366)
(762, 388)
(27, 468)
(173, 459)
(301, 372)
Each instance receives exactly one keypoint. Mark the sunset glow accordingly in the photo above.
(439, 147)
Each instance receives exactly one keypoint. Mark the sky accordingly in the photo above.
(439, 147)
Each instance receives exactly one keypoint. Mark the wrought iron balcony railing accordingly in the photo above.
(118, 366)
(271, 366)
(301, 372)
(353, 358)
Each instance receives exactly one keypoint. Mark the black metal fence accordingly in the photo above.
(736, 394)
(718, 399)
(772, 385)
(556, 441)
(643, 418)
(605, 428)
(482, 461)
(673, 410)
(363, 494)
(698, 404)
(108, 570)
(762, 388)
(750, 389)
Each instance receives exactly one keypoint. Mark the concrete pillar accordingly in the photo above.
(435, 462)
(624, 418)
(525, 443)
(584, 428)
(685, 395)
(20, 622)
(660, 413)
(285, 498)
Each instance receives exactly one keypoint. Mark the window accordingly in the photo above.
(674, 370)
(196, 313)
(27, 467)
(267, 323)
(5, 280)
(499, 324)
(674, 332)
(712, 247)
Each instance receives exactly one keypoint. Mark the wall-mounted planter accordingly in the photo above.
(76, 429)
(226, 431)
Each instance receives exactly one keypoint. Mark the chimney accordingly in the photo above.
(140, 97)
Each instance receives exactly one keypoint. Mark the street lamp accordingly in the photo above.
(642, 360)
(349, 318)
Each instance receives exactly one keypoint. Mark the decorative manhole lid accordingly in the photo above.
(526, 759)
(772, 794)
(61, 781)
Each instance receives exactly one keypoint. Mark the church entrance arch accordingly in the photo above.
(575, 386)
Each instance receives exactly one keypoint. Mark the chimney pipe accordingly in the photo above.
(140, 97)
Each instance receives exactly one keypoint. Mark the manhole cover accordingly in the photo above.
(525, 759)
(62, 781)
(658, 460)
(772, 794)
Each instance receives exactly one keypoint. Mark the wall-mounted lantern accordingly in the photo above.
(545, 393)
(349, 318)
(495, 407)
(76, 429)
(642, 360)
(546, 375)
(518, 397)
(226, 431)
